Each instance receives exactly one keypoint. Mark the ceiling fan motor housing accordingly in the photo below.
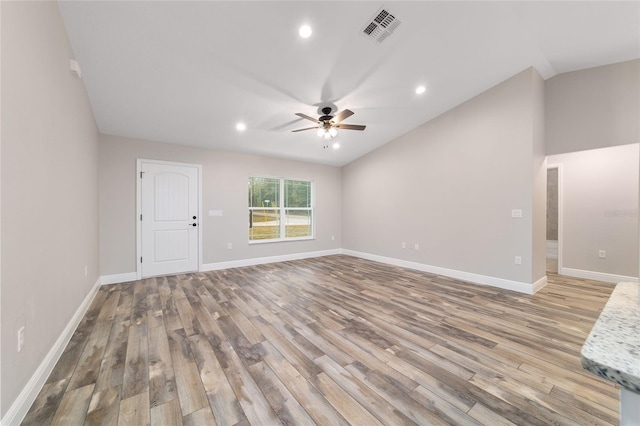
(326, 117)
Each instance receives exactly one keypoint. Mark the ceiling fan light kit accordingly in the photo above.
(327, 134)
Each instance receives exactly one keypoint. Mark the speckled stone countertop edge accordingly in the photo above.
(612, 350)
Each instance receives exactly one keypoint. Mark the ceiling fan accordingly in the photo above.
(328, 124)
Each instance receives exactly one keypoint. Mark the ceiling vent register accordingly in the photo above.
(381, 25)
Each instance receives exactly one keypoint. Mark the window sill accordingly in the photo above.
(280, 240)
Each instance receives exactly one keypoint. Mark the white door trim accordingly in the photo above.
(139, 162)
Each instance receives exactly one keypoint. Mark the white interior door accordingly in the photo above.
(169, 218)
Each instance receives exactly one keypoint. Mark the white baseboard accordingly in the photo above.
(270, 259)
(552, 249)
(597, 276)
(452, 273)
(118, 278)
(539, 284)
(23, 402)
(132, 276)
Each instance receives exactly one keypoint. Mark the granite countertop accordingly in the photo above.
(612, 350)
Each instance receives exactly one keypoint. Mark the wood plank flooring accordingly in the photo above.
(330, 341)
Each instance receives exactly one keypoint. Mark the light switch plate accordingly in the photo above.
(516, 213)
(215, 213)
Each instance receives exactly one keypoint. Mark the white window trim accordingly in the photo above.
(283, 210)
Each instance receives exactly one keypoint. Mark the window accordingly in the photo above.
(280, 209)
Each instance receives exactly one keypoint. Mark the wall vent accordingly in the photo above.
(381, 25)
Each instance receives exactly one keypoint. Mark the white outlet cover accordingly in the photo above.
(518, 260)
(516, 213)
(20, 339)
(74, 66)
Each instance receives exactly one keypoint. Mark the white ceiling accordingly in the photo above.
(187, 72)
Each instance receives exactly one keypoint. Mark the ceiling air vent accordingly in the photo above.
(381, 25)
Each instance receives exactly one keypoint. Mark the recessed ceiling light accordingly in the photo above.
(420, 89)
(241, 127)
(305, 31)
(336, 145)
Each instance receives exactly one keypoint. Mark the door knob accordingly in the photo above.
(194, 218)
(193, 224)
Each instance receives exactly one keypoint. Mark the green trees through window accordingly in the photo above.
(269, 219)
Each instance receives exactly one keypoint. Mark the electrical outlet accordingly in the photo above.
(602, 254)
(518, 260)
(229, 246)
(416, 246)
(21, 339)
(404, 245)
(86, 270)
(333, 238)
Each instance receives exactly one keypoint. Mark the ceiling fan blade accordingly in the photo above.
(308, 128)
(342, 115)
(315, 120)
(350, 126)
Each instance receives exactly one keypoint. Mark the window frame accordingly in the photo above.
(282, 210)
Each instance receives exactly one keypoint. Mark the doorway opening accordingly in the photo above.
(554, 228)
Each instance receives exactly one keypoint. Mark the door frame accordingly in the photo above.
(560, 210)
(139, 163)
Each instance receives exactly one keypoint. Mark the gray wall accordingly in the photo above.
(600, 209)
(49, 188)
(224, 188)
(450, 185)
(593, 108)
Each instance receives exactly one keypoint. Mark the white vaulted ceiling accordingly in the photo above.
(186, 72)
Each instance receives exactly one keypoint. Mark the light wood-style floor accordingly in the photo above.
(329, 341)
